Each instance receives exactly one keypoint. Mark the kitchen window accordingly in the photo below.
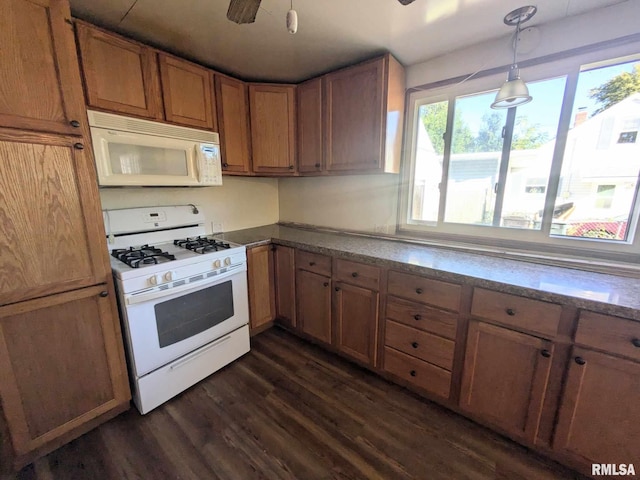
(561, 171)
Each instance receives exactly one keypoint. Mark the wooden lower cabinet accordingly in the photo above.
(262, 308)
(285, 282)
(356, 321)
(599, 418)
(61, 365)
(505, 377)
(314, 304)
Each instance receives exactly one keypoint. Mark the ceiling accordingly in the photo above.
(331, 33)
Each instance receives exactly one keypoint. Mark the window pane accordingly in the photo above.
(476, 149)
(534, 139)
(599, 176)
(432, 123)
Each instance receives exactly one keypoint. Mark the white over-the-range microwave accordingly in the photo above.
(134, 152)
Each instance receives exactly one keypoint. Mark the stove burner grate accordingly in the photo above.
(202, 244)
(144, 255)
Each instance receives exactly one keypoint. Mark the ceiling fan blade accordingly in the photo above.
(243, 11)
(406, 2)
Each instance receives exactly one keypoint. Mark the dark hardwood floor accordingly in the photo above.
(288, 410)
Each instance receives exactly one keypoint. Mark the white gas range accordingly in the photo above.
(182, 298)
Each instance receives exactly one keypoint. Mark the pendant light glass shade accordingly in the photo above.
(513, 93)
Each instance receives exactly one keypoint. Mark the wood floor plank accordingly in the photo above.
(290, 410)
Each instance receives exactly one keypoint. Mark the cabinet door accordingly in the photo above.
(356, 321)
(119, 75)
(505, 377)
(40, 87)
(51, 233)
(285, 284)
(309, 133)
(261, 292)
(599, 414)
(187, 90)
(314, 304)
(61, 364)
(233, 122)
(354, 117)
(272, 110)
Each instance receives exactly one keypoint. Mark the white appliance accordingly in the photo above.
(183, 300)
(134, 152)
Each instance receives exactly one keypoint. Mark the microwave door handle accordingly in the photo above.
(198, 162)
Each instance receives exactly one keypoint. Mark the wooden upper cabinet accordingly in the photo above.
(599, 413)
(272, 112)
(505, 378)
(233, 123)
(309, 132)
(61, 364)
(260, 285)
(40, 87)
(52, 235)
(187, 90)
(285, 280)
(364, 110)
(120, 75)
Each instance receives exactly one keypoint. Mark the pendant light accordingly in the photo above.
(292, 20)
(514, 92)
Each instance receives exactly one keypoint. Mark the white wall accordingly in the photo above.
(353, 202)
(238, 203)
(364, 202)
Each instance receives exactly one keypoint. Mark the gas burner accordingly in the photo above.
(144, 255)
(202, 244)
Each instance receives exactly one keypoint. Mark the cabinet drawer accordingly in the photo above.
(611, 334)
(424, 345)
(313, 262)
(422, 374)
(359, 274)
(425, 290)
(422, 317)
(523, 313)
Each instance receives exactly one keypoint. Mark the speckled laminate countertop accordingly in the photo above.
(595, 291)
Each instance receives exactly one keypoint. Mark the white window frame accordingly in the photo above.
(511, 240)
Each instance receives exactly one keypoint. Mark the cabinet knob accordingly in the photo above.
(510, 311)
(290, 167)
(337, 289)
(104, 293)
(414, 344)
(74, 123)
(636, 342)
(417, 316)
(225, 165)
(580, 360)
(78, 146)
(419, 291)
(354, 274)
(311, 264)
(412, 373)
(545, 353)
(325, 284)
(317, 165)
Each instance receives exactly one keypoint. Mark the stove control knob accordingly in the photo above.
(227, 261)
(217, 264)
(168, 277)
(153, 280)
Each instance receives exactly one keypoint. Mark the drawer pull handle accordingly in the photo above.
(545, 353)
(354, 274)
(414, 344)
(317, 165)
(419, 291)
(325, 284)
(78, 146)
(636, 342)
(104, 294)
(417, 316)
(337, 289)
(74, 123)
(412, 373)
(580, 360)
(225, 165)
(510, 311)
(311, 264)
(290, 167)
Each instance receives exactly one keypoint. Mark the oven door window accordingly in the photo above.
(191, 314)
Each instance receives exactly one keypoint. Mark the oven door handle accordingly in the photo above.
(200, 352)
(145, 297)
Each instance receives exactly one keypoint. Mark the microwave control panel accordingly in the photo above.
(210, 166)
